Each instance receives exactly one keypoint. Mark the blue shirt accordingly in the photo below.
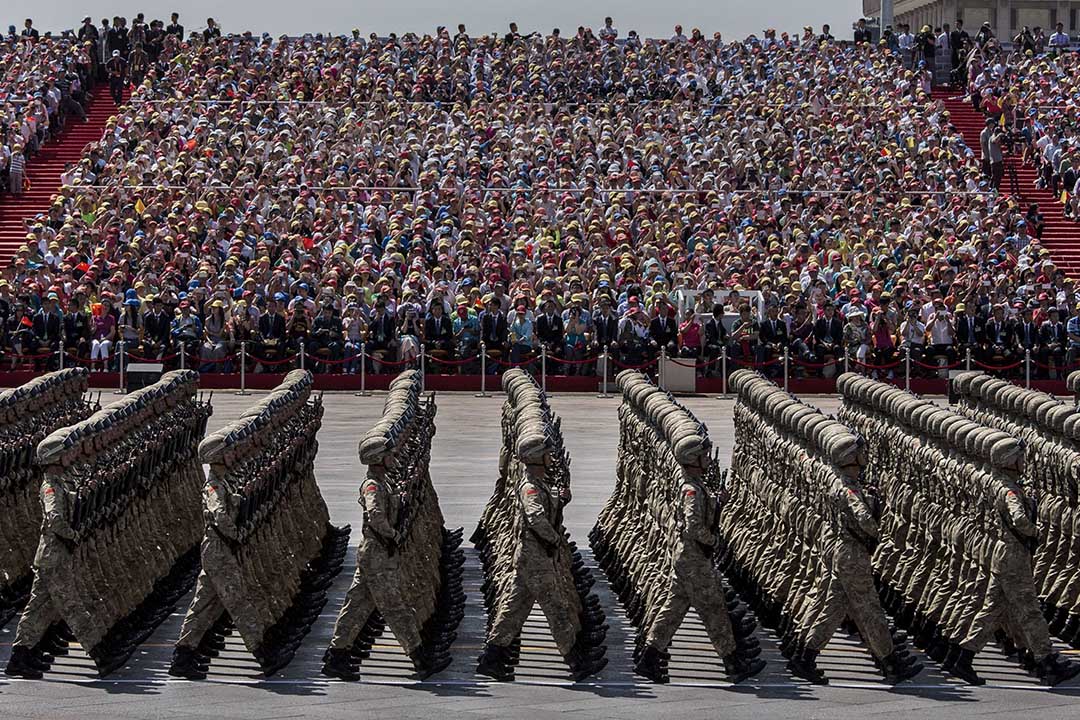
(521, 332)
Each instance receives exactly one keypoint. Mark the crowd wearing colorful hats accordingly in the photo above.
(534, 194)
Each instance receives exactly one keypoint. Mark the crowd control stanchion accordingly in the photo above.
(483, 372)
(907, 369)
(543, 368)
(243, 369)
(787, 359)
(120, 388)
(363, 372)
(423, 367)
(1027, 369)
(61, 354)
(660, 368)
(723, 372)
(183, 356)
(303, 356)
(967, 359)
(847, 362)
(603, 383)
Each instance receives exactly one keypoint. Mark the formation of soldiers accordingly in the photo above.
(268, 550)
(657, 533)
(958, 531)
(27, 415)
(526, 552)
(408, 565)
(120, 528)
(1050, 429)
(798, 531)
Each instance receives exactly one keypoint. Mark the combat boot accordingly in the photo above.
(962, 668)
(587, 662)
(21, 664)
(896, 668)
(1057, 622)
(338, 663)
(739, 667)
(1053, 670)
(1069, 632)
(185, 664)
(495, 663)
(804, 664)
(652, 665)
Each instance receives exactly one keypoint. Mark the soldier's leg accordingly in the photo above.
(1024, 613)
(561, 614)
(707, 597)
(865, 609)
(515, 602)
(670, 616)
(988, 618)
(206, 608)
(354, 613)
(37, 616)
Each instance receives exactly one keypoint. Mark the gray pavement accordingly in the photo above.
(464, 461)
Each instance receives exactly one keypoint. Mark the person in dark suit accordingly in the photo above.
(605, 329)
(549, 333)
(1054, 340)
(439, 331)
(156, 323)
(29, 31)
(774, 339)
(382, 340)
(1025, 335)
(997, 338)
(716, 338)
(663, 330)
(175, 28)
(77, 329)
(828, 338)
(969, 332)
(48, 331)
(493, 333)
(270, 339)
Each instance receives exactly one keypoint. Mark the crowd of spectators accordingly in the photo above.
(571, 195)
(43, 82)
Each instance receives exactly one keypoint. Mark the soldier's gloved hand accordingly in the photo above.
(549, 549)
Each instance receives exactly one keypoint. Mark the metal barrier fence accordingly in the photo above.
(484, 365)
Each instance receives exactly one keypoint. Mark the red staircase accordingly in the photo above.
(44, 169)
(1061, 235)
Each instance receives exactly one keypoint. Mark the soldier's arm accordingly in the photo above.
(217, 505)
(861, 512)
(375, 512)
(536, 515)
(695, 527)
(54, 501)
(1017, 514)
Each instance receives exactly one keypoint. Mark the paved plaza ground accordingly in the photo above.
(464, 462)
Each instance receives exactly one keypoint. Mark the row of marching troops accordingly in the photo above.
(120, 522)
(970, 540)
(269, 552)
(657, 533)
(527, 554)
(27, 415)
(906, 520)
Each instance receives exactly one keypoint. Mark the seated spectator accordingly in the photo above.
(354, 330)
(271, 339)
(1054, 342)
(326, 342)
(438, 332)
(521, 337)
(102, 337)
(494, 333)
